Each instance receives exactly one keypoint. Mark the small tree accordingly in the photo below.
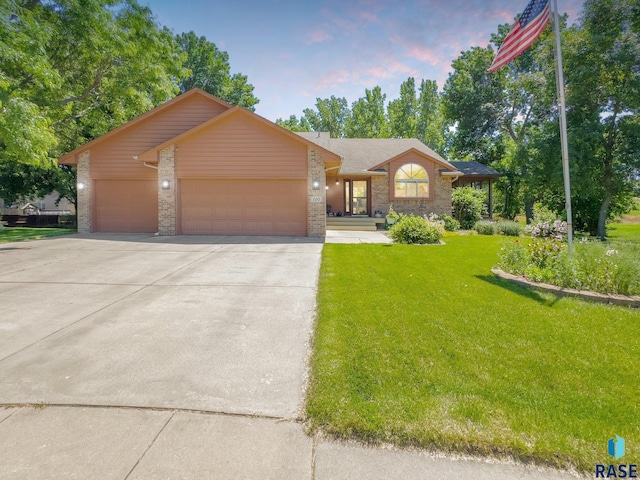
(468, 206)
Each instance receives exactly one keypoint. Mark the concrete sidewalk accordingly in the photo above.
(61, 442)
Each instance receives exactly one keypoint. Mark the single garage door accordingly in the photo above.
(243, 207)
(126, 206)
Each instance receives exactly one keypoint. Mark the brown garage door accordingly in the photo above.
(126, 206)
(243, 207)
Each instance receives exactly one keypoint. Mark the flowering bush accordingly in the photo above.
(546, 229)
(412, 229)
(449, 223)
(593, 266)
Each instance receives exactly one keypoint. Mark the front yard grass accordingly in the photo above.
(423, 346)
(17, 234)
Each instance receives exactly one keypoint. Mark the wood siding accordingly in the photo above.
(241, 147)
(243, 207)
(113, 158)
(123, 206)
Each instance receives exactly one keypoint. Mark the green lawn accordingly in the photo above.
(17, 234)
(624, 232)
(422, 345)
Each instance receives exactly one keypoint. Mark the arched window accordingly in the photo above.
(412, 181)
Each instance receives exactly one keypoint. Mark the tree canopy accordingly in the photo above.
(73, 70)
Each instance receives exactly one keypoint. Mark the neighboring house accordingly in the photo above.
(40, 206)
(197, 165)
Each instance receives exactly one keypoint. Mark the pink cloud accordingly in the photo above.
(318, 36)
(389, 69)
(334, 78)
(368, 16)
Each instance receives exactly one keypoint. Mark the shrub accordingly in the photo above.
(594, 266)
(412, 229)
(514, 258)
(450, 223)
(485, 227)
(509, 228)
(556, 230)
(468, 205)
(542, 214)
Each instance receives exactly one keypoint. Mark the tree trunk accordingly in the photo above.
(602, 217)
(528, 210)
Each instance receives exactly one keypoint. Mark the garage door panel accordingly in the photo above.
(243, 207)
(126, 206)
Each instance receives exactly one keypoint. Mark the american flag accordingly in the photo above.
(523, 33)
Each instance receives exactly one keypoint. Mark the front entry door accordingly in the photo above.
(356, 197)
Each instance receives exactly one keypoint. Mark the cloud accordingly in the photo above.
(318, 36)
(336, 77)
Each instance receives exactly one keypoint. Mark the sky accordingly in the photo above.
(296, 51)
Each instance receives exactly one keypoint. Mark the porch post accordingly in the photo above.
(491, 198)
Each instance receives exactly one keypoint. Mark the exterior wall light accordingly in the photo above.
(337, 182)
(80, 185)
(166, 184)
(316, 184)
(326, 187)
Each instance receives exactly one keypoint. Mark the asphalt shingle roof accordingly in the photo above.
(359, 155)
(475, 169)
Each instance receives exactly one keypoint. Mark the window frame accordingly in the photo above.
(414, 182)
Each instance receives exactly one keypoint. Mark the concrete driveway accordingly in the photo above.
(138, 357)
(217, 324)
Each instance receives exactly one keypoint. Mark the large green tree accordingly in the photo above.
(330, 115)
(602, 63)
(431, 125)
(496, 114)
(368, 116)
(403, 111)
(209, 69)
(72, 70)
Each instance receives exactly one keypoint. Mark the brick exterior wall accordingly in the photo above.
(167, 199)
(380, 194)
(441, 203)
(85, 195)
(316, 210)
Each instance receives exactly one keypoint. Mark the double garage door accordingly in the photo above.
(206, 207)
(243, 207)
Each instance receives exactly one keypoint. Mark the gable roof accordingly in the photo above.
(69, 158)
(476, 169)
(150, 156)
(362, 156)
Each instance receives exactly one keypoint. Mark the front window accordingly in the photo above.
(412, 181)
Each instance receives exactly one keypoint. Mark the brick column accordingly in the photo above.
(380, 193)
(167, 197)
(317, 199)
(442, 202)
(84, 207)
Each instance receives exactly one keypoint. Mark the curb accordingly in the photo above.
(612, 299)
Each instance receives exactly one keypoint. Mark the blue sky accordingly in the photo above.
(295, 51)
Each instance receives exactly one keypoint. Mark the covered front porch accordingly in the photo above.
(350, 204)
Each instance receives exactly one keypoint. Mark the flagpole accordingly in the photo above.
(563, 126)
